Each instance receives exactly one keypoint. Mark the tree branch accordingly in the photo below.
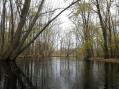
(44, 28)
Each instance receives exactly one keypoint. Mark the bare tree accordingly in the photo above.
(19, 23)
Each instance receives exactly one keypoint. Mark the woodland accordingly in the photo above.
(29, 28)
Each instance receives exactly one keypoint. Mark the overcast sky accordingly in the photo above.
(66, 23)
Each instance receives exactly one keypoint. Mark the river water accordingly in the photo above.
(66, 74)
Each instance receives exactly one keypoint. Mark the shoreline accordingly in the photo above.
(109, 60)
(95, 59)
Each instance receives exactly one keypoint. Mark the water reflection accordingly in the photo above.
(58, 74)
(13, 78)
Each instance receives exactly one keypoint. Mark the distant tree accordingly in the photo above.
(16, 29)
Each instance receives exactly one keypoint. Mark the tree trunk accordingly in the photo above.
(104, 30)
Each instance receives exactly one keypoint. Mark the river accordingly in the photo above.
(60, 73)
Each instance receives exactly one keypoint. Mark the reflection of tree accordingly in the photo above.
(14, 77)
(106, 75)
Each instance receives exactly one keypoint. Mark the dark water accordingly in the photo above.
(59, 74)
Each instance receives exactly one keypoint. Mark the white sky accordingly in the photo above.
(63, 18)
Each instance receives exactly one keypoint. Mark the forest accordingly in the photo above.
(30, 28)
(59, 44)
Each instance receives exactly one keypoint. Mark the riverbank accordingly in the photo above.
(110, 60)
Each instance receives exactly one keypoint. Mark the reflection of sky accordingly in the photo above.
(70, 74)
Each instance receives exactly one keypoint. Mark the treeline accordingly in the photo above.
(27, 28)
(96, 28)
(21, 23)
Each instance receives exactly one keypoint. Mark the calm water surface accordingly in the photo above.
(61, 74)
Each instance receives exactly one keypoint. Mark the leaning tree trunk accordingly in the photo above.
(16, 43)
